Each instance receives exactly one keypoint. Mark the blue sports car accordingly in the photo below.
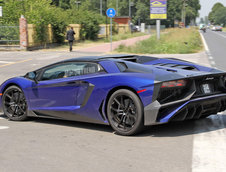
(126, 92)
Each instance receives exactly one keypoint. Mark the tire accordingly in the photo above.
(14, 104)
(125, 112)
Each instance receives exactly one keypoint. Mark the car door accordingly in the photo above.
(61, 88)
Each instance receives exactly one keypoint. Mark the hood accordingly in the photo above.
(166, 73)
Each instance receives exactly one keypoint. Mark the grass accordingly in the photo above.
(124, 36)
(224, 29)
(175, 41)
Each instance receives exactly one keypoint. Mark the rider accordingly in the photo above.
(203, 28)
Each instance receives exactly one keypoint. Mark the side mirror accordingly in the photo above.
(32, 76)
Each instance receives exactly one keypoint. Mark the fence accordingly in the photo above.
(104, 31)
(9, 35)
(31, 36)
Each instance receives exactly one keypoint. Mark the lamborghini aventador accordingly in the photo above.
(126, 92)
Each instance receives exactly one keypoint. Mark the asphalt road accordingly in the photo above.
(41, 145)
(216, 42)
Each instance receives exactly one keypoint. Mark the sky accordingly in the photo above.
(206, 6)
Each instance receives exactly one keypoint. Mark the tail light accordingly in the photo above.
(171, 84)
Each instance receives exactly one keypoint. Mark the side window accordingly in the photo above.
(70, 69)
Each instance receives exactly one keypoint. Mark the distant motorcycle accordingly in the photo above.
(204, 30)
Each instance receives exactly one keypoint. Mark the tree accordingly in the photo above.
(141, 14)
(193, 6)
(215, 8)
(220, 16)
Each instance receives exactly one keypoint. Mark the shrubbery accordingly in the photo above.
(41, 13)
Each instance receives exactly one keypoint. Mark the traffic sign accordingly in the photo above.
(111, 12)
(158, 9)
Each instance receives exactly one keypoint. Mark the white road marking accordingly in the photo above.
(212, 63)
(220, 34)
(211, 59)
(209, 145)
(5, 62)
(205, 44)
(4, 127)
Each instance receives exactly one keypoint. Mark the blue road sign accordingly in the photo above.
(111, 12)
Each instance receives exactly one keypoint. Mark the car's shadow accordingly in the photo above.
(190, 127)
(174, 129)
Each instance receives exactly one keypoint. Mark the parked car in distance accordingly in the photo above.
(136, 28)
(217, 28)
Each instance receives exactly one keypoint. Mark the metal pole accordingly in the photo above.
(111, 32)
(182, 12)
(129, 9)
(101, 6)
(106, 28)
(0, 11)
(117, 7)
(158, 29)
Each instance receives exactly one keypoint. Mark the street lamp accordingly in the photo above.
(130, 5)
(78, 3)
(101, 6)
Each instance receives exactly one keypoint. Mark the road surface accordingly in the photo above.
(216, 42)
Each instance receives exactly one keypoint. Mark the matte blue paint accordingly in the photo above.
(67, 108)
(64, 95)
(170, 61)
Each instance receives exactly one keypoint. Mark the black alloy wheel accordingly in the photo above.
(125, 112)
(14, 104)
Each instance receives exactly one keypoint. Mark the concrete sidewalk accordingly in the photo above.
(106, 47)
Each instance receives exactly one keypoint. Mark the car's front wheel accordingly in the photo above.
(125, 112)
(14, 104)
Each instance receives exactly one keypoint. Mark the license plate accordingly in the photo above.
(206, 88)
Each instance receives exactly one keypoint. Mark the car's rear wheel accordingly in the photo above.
(14, 104)
(125, 112)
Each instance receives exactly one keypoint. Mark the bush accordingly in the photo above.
(40, 13)
(89, 27)
(88, 20)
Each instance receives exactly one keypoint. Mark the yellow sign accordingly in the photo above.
(157, 4)
(158, 16)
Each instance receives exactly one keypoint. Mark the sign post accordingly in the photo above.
(111, 13)
(158, 11)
